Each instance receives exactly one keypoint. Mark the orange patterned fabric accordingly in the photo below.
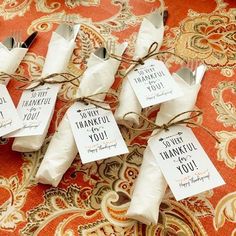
(92, 199)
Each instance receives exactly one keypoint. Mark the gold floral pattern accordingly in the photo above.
(11, 9)
(73, 4)
(109, 201)
(223, 153)
(211, 37)
(11, 212)
(225, 210)
(46, 7)
(226, 110)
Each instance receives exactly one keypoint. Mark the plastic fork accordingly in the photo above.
(16, 35)
(192, 72)
(187, 72)
(110, 46)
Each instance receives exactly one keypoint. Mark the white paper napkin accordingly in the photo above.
(151, 30)
(150, 185)
(62, 149)
(58, 55)
(10, 60)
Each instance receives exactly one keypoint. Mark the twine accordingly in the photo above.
(172, 122)
(67, 78)
(96, 102)
(88, 100)
(141, 61)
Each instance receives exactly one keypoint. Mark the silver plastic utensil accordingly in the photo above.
(8, 42)
(192, 77)
(27, 43)
(16, 35)
(65, 30)
(199, 73)
(187, 75)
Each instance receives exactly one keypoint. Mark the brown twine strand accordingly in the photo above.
(96, 102)
(140, 61)
(172, 122)
(67, 78)
(88, 100)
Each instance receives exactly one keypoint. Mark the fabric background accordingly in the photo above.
(92, 199)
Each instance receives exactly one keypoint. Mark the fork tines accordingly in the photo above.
(16, 35)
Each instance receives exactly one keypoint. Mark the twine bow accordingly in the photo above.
(67, 78)
(152, 51)
(89, 100)
(172, 122)
(96, 102)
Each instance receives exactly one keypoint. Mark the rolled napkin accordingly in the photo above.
(98, 77)
(151, 30)
(10, 60)
(60, 48)
(151, 185)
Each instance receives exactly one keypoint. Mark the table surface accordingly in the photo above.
(92, 199)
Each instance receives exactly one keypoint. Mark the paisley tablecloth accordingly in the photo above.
(92, 199)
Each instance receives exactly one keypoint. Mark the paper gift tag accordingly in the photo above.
(9, 119)
(35, 109)
(185, 165)
(153, 83)
(96, 133)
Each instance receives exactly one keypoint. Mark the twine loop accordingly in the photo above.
(176, 120)
(32, 84)
(91, 99)
(152, 51)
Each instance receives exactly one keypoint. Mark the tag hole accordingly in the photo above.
(78, 110)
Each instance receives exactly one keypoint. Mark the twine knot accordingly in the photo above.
(55, 78)
(140, 61)
(82, 99)
(165, 127)
(41, 82)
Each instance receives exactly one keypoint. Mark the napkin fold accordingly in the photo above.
(151, 185)
(98, 77)
(151, 30)
(60, 48)
(10, 60)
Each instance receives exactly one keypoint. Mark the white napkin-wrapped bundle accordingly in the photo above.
(62, 149)
(150, 185)
(10, 60)
(151, 30)
(59, 52)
